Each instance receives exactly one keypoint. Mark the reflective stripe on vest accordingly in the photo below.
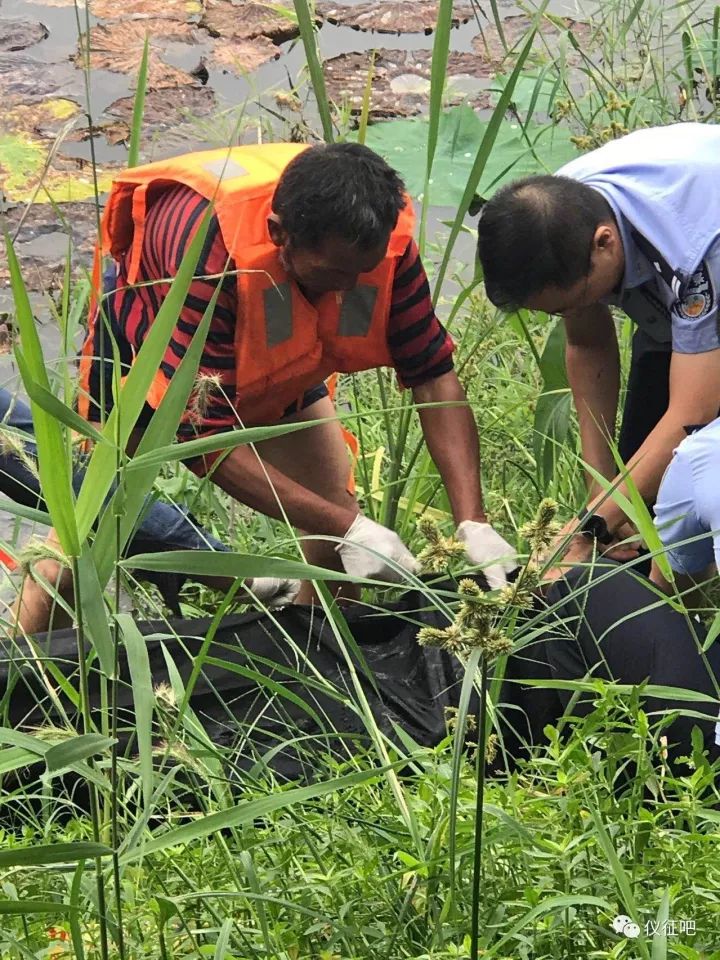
(278, 314)
(225, 168)
(357, 310)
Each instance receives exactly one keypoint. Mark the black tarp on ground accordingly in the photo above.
(297, 649)
(280, 687)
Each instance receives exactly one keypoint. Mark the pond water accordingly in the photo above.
(49, 67)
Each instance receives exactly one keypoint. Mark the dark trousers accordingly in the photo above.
(648, 392)
(612, 628)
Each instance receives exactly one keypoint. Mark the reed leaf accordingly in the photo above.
(52, 460)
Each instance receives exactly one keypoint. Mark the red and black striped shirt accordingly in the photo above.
(419, 345)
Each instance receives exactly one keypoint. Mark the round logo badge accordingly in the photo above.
(694, 305)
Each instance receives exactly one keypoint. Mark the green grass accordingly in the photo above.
(184, 856)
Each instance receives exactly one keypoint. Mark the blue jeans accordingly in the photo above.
(165, 526)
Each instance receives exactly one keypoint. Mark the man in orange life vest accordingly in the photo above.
(320, 275)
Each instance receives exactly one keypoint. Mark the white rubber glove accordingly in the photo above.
(485, 547)
(363, 542)
(271, 592)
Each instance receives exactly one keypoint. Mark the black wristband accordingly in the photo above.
(595, 527)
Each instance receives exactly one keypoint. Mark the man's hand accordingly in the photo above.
(626, 544)
(576, 549)
(273, 592)
(367, 548)
(485, 547)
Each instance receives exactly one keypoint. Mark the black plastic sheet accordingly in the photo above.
(280, 685)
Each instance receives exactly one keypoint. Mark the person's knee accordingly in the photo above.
(51, 571)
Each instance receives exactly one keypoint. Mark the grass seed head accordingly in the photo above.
(12, 446)
(451, 720)
(207, 385)
(521, 594)
(288, 100)
(450, 638)
(544, 528)
(441, 551)
(165, 697)
(37, 550)
(431, 637)
(477, 611)
(497, 643)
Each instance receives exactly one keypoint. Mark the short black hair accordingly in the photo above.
(535, 233)
(340, 189)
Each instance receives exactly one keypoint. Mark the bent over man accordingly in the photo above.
(321, 274)
(634, 224)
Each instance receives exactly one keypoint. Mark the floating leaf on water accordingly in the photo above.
(42, 243)
(21, 158)
(44, 118)
(169, 9)
(22, 162)
(114, 131)
(71, 180)
(403, 143)
(249, 20)
(44, 226)
(489, 46)
(118, 46)
(172, 120)
(401, 80)
(410, 83)
(28, 80)
(399, 16)
(116, 9)
(166, 108)
(244, 56)
(19, 34)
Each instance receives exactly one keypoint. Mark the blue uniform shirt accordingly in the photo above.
(662, 183)
(688, 503)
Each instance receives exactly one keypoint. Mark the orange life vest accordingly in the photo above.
(283, 344)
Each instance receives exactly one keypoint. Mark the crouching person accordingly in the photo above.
(319, 273)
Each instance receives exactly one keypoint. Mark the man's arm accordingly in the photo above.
(264, 488)
(694, 398)
(685, 584)
(452, 439)
(593, 369)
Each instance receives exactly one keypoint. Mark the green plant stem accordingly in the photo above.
(92, 788)
(114, 792)
(317, 78)
(85, 50)
(479, 810)
(394, 486)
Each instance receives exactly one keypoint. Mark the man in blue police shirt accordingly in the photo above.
(634, 224)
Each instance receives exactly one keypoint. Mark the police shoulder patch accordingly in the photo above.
(698, 295)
